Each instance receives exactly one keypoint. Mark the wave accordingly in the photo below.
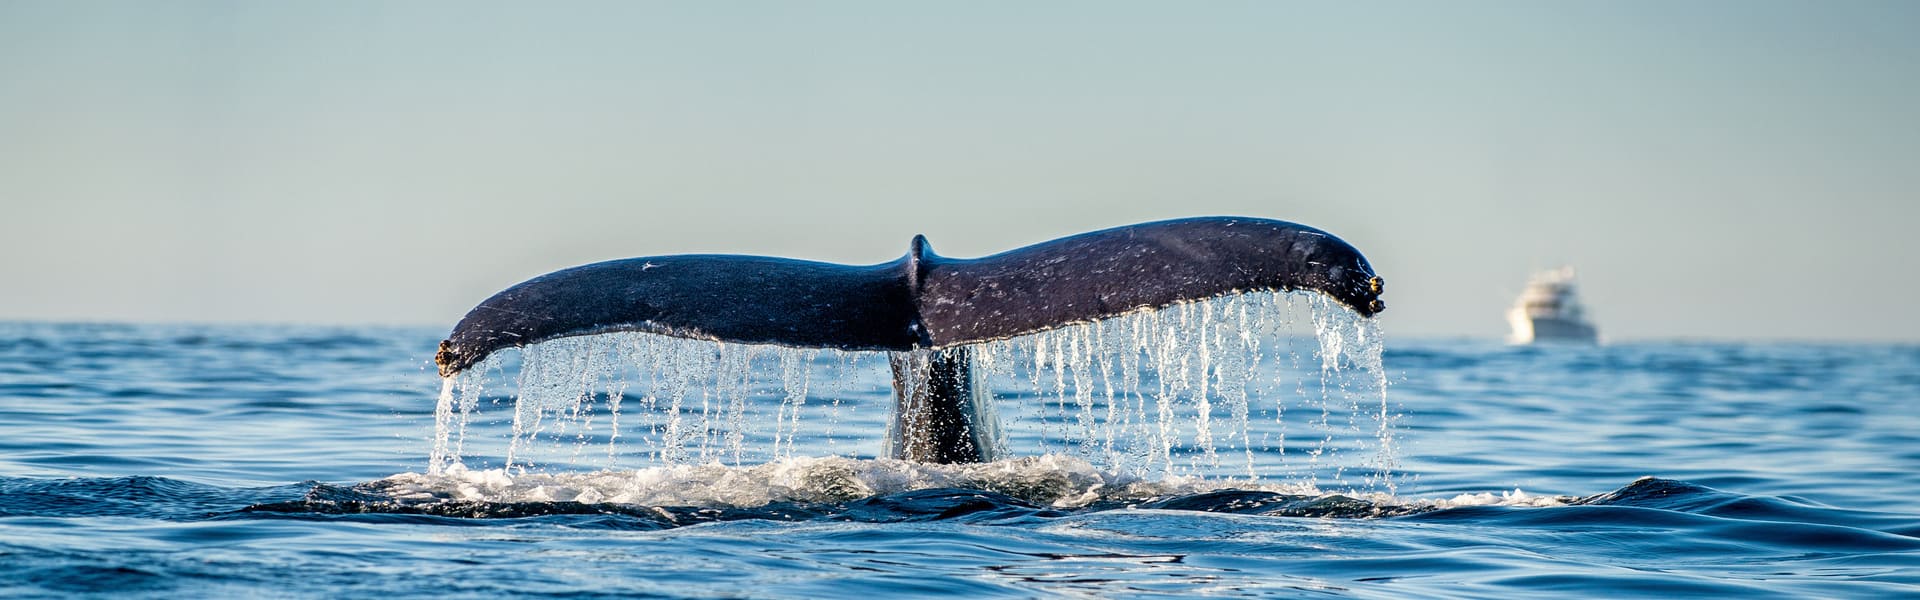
(838, 488)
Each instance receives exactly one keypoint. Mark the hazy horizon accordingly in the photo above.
(1714, 170)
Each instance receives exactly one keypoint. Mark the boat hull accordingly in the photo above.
(1528, 330)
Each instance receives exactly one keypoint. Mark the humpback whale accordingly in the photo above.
(923, 309)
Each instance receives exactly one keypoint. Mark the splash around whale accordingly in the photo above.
(927, 312)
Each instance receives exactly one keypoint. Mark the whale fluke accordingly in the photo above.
(920, 302)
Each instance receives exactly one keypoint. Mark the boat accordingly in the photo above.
(1550, 311)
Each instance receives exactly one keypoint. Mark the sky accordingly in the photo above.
(1742, 170)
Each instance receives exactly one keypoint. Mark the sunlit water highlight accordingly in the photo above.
(281, 461)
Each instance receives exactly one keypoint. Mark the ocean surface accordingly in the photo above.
(1162, 457)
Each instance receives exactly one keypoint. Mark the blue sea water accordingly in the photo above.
(184, 460)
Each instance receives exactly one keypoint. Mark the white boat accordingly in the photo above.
(1549, 311)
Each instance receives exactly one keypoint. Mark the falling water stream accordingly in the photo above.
(1153, 395)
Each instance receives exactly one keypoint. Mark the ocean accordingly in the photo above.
(1156, 457)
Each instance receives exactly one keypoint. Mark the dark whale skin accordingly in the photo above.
(921, 300)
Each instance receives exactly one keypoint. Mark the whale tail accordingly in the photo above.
(923, 306)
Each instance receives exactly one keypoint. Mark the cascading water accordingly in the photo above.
(1233, 387)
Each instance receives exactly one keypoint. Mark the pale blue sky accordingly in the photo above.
(1736, 169)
